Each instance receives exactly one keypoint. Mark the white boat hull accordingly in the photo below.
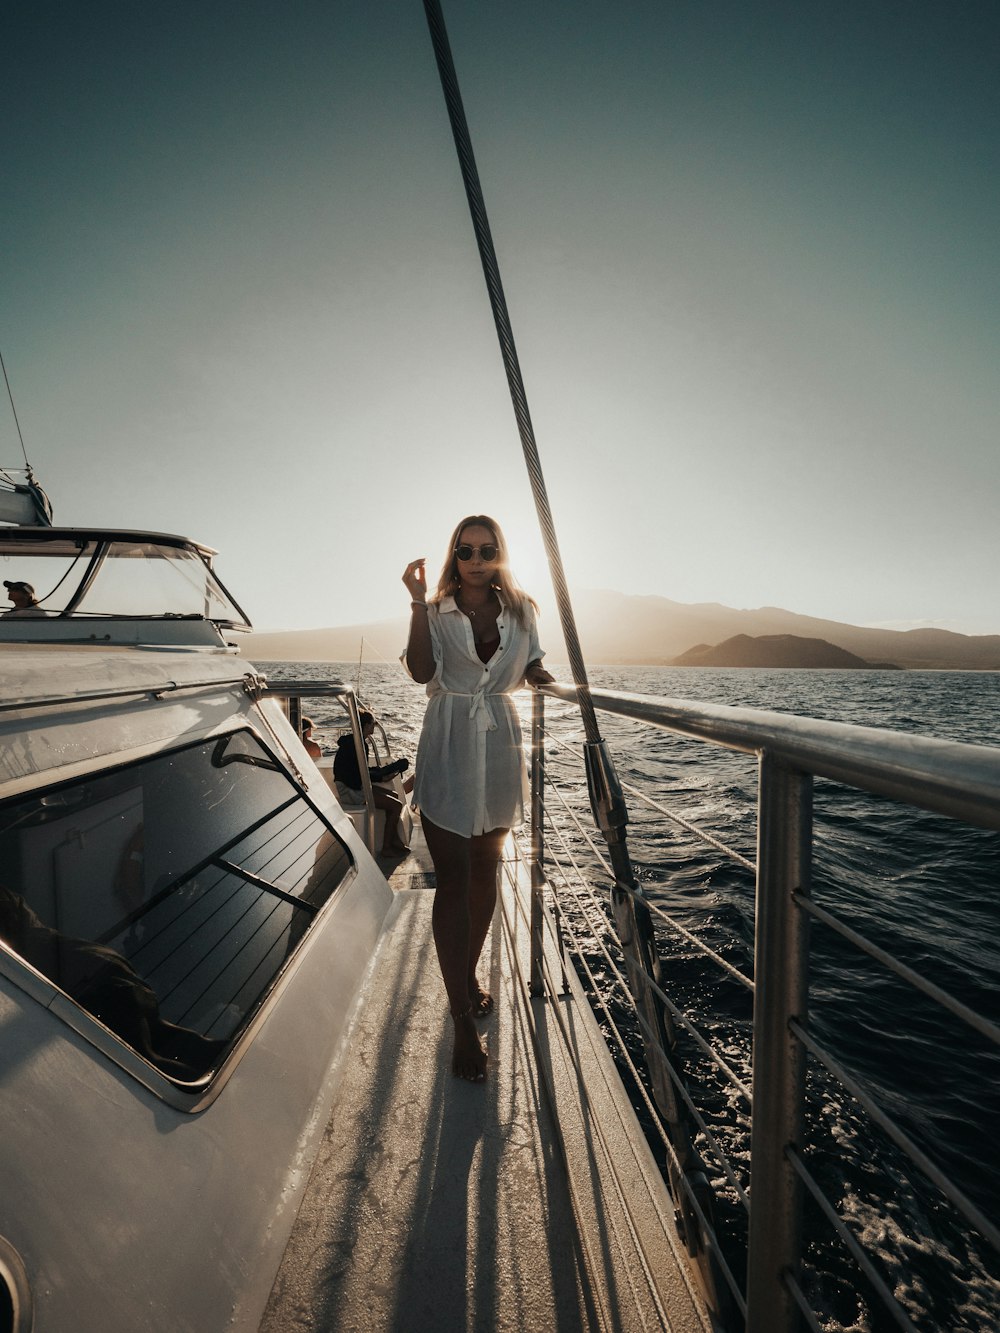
(129, 1212)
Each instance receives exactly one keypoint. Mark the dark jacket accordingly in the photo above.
(347, 770)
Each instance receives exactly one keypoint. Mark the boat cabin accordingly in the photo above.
(108, 586)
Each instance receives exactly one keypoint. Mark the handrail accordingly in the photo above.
(958, 780)
(293, 692)
(155, 692)
(949, 777)
(279, 689)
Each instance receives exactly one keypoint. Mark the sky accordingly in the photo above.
(749, 251)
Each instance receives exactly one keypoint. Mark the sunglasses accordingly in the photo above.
(488, 551)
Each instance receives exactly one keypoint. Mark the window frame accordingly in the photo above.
(194, 1095)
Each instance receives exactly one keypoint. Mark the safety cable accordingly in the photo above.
(53, 590)
(675, 1012)
(606, 797)
(601, 1001)
(505, 333)
(687, 824)
(14, 410)
(895, 1310)
(902, 1140)
(708, 1234)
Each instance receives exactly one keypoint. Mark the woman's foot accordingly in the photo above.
(395, 849)
(482, 1000)
(469, 1058)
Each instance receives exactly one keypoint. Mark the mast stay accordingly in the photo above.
(22, 502)
(632, 916)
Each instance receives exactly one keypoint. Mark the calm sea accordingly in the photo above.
(923, 887)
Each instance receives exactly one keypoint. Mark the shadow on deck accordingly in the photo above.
(436, 1204)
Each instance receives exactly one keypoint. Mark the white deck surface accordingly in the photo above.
(440, 1205)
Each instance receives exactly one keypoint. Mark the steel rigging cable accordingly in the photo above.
(38, 498)
(632, 914)
(17, 423)
(606, 795)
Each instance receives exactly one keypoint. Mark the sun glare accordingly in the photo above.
(527, 558)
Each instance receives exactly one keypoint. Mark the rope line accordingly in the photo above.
(14, 410)
(505, 334)
(654, 908)
(805, 1310)
(707, 1048)
(705, 949)
(707, 1230)
(722, 1158)
(700, 833)
(607, 800)
(687, 824)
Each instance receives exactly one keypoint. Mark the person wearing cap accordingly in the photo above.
(312, 748)
(23, 596)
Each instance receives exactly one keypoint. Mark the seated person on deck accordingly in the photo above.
(23, 596)
(347, 775)
(312, 749)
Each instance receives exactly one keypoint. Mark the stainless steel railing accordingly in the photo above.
(290, 694)
(958, 780)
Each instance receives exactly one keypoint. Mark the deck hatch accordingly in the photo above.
(166, 897)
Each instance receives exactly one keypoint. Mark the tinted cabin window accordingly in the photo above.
(165, 897)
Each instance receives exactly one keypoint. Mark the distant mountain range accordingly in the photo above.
(775, 650)
(619, 629)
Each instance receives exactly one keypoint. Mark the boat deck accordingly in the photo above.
(439, 1204)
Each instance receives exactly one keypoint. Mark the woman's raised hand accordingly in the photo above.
(415, 579)
(419, 648)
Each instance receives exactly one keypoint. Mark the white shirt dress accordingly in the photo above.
(470, 775)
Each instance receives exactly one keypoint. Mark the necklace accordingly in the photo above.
(471, 614)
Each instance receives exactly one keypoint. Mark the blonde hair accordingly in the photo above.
(504, 581)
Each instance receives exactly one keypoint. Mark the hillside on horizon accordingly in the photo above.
(623, 630)
(776, 650)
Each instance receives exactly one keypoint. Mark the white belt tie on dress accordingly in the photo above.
(480, 710)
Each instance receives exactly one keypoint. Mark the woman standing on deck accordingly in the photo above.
(472, 642)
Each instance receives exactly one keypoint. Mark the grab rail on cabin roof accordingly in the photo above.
(958, 780)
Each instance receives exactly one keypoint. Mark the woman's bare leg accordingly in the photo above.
(485, 853)
(452, 857)
(391, 839)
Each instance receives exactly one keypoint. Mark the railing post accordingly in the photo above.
(537, 983)
(293, 709)
(784, 842)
